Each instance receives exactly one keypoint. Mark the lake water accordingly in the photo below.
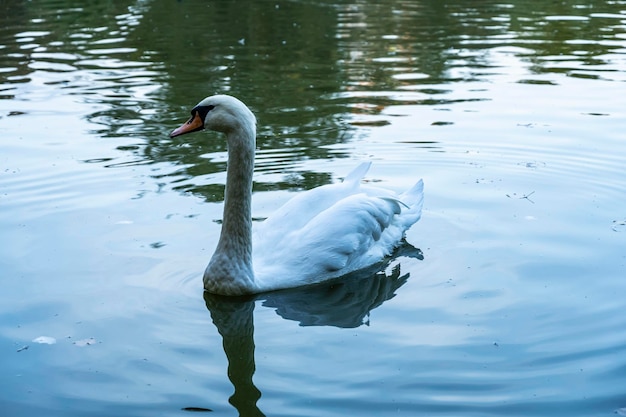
(513, 113)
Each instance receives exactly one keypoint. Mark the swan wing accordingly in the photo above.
(299, 211)
(355, 232)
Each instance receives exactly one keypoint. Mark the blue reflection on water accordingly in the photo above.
(512, 113)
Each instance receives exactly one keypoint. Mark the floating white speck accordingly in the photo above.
(619, 226)
(85, 342)
(45, 340)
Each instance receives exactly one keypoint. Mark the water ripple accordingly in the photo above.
(510, 111)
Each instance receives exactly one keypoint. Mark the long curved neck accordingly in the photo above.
(230, 270)
(238, 194)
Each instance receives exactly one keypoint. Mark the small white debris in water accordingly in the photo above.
(85, 342)
(619, 226)
(45, 340)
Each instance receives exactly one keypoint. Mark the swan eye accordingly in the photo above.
(202, 111)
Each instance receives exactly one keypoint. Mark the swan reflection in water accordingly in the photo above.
(343, 303)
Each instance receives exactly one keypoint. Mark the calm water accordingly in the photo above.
(512, 112)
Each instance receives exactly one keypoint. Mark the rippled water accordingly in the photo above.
(513, 113)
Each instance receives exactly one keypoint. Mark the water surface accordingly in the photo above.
(513, 113)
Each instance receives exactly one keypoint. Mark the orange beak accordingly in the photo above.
(193, 125)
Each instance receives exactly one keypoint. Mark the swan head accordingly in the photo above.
(221, 113)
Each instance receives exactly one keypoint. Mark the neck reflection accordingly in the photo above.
(235, 323)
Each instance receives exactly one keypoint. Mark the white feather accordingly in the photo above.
(330, 231)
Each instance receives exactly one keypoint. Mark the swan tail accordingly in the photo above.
(414, 196)
(414, 200)
(357, 174)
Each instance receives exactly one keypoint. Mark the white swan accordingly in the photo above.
(320, 234)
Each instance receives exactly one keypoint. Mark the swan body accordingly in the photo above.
(320, 234)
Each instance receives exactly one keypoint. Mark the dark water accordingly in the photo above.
(513, 113)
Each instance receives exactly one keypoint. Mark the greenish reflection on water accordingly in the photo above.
(513, 113)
